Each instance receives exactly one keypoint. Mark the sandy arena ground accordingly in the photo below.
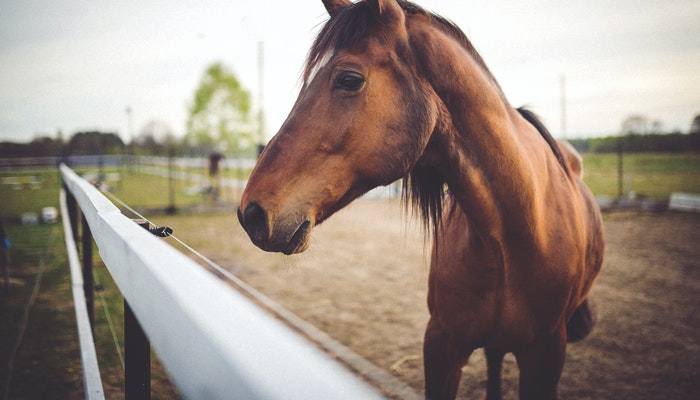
(364, 281)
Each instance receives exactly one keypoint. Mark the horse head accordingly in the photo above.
(362, 119)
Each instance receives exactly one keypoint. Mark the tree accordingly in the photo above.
(156, 138)
(93, 143)
(635, 124)
(695, 125)
(38, 147)
(694, 134)
(219, 116)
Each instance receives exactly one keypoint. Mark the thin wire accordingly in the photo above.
(123, 204)
(282, 312)
(368, 370)
(109, 322)
(228, 275)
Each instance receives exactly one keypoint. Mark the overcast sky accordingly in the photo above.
(74, 65)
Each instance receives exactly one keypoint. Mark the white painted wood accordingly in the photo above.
(684, 202)
(92, 381)
(214, 342)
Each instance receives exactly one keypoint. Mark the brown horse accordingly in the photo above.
(391, 91)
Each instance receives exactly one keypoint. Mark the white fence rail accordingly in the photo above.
(214, 342)
(91, 371)
(684, 202)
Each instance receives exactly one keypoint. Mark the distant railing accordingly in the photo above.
(214, 343)
(684, 202)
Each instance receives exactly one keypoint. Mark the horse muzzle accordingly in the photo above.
(288, 235)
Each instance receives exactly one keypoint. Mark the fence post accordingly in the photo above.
(4, 259)
(88, 280)
(72, 207)
(620, 151)
(137, 353)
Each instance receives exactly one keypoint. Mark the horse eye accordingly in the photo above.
(349, 81)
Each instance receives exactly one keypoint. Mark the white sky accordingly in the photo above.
(74, 65)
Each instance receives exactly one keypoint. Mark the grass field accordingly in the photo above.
(47, 363)
(652, 175)
(39, 352)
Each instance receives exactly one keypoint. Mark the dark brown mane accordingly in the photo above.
(534, 120)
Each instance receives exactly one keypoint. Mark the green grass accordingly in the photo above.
(47, 364)
(148, 191)
(145, 191)
(649, 174)
(16, 199)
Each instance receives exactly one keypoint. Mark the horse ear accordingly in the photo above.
(333, 6)
(388, 10)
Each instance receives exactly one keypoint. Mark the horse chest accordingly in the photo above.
(483, 297)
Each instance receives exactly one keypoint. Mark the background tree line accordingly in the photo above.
(675, 142)
(81, 143)
(641, 135)
(94, 142)
(219, 122)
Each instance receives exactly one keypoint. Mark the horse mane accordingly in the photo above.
(424, 188)
(534, 120)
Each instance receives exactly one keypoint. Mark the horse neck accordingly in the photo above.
(481, 146)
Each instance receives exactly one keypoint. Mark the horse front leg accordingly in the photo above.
(494, 363)
(442, 364)
(541, 365)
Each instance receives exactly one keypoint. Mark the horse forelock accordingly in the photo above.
(345, 29)
(354, 22)
(350, 25)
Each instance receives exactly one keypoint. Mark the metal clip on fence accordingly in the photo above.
(160, 231)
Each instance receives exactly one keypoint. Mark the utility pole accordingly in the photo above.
(261, 113)
(130, 136)
(563, 106)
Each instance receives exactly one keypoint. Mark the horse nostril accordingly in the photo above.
(254, 221)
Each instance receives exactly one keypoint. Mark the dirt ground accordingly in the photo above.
(364, 281)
